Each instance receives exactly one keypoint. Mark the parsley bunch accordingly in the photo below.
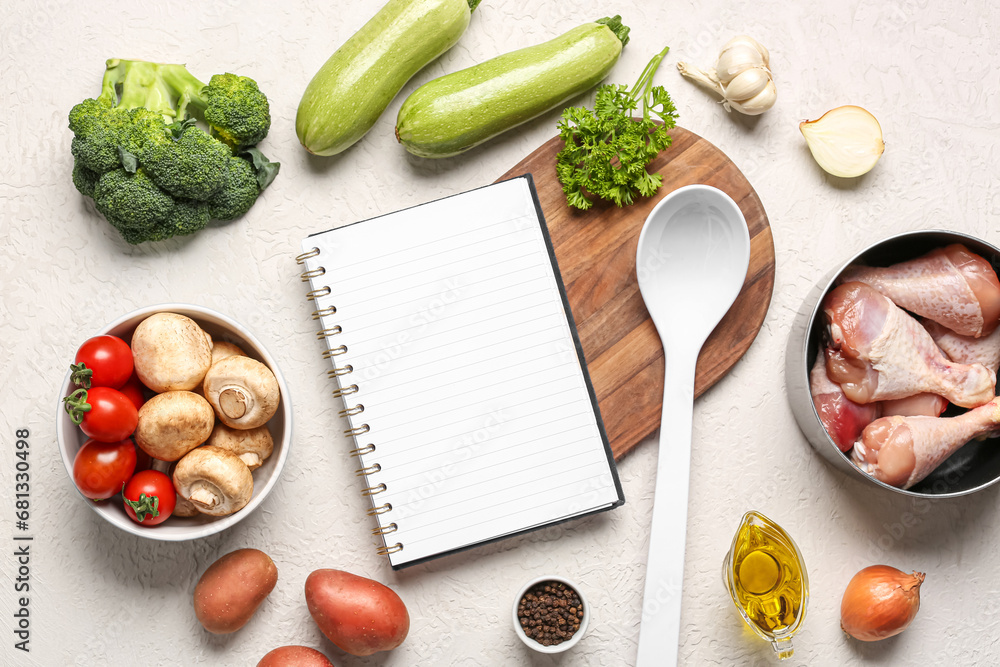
(607, 150)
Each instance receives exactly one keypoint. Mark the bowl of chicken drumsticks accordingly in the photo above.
(892, 363)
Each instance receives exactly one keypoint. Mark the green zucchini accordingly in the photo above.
(353, 88)
(455, 112)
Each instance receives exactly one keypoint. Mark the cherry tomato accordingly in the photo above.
(143, 461)
(135, 390)
(101, 468)
(103, 361)
(149, 497)
(103, 413)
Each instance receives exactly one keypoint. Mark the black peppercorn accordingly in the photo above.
(550, 612)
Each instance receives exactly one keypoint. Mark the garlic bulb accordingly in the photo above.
(742, 76)
(845, 142)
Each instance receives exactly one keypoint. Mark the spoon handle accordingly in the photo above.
(659, 629)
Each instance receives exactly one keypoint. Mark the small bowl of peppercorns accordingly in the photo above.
(550, 614)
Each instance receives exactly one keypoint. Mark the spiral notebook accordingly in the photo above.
(464, 384)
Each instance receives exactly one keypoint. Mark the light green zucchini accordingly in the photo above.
(353, 88)
(455, 112)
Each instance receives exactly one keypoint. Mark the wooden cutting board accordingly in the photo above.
(595, 250)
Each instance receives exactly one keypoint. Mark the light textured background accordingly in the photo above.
(926, 69)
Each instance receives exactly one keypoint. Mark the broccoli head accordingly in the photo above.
(105, 126)
(84, 179)
(141, 211)
(99, 130)
(246, 178)
(150, 167)
(236, 110)
(187, 217)
(238, 194)
(232, 106)
(148, 128)
(192, 166)
(88, 116)
(133, 204)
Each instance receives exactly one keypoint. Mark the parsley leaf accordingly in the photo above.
(606, 150)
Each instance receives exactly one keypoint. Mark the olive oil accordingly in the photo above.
(767, 581)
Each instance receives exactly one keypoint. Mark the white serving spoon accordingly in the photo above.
(692, 259)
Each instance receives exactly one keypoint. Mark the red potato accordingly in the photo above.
(232, 588)
(359, 615)
(294, 656)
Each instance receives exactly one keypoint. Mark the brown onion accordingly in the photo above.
(880, 601)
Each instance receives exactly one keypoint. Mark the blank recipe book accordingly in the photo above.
(465, 388)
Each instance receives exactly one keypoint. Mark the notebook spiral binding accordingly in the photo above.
(337, 373)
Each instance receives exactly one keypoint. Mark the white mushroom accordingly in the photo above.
(222, 349)
(253, 446)
(243, 391)
(184, 507)
(217, 482)
(171, 352)
(173, 423)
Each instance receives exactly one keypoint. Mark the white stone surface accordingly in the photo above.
(927, 70)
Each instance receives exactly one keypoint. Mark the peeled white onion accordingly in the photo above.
(845, 142)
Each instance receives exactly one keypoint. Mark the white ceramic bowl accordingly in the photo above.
(555, 648)
(178, 529)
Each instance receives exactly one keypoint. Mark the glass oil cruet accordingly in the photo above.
(767, 581)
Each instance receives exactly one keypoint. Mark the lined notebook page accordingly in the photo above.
(472, 388)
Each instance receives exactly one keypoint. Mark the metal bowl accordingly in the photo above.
(973, 467)
(177, 529)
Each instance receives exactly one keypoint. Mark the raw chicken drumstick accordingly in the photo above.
(928, 405)
(952, 286)
(966, 349)
(901, 451)
(880, 352)
(842, 418)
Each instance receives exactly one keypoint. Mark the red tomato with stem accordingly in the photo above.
(149, 497)
(102, 361)
(100, 469)
(102, 413)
